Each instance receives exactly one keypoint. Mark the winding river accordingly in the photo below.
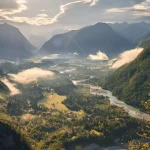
(97, 90)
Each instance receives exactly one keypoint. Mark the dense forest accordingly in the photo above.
(89, 119)
(37, 122)
(11, 135)
(130, 83)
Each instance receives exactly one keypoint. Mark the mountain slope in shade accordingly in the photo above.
(10, 137)
(131, 31)
(144, 40)
(88, 40)
(13, 44)
(3, 88)
(131, 82)
(58, 43)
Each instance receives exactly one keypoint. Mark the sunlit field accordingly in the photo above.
(54, 101)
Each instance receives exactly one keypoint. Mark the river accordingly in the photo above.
(97, 90)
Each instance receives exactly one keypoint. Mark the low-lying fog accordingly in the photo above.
(31, 75)
(25, 77)
(99, 56)
(115, 63)
(126, 57)
(11, 86)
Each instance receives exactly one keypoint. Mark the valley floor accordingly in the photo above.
(52, 113)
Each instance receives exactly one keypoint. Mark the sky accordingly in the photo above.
(45, 16)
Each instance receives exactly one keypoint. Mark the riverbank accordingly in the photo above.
(97, 90)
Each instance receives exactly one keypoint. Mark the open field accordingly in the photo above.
(54, 101)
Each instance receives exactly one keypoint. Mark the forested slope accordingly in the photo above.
(131, 82)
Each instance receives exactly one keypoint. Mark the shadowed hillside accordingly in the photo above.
(13, 44)
(88, 40)
(131, 82)
(10, 139)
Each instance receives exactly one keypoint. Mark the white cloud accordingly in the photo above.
(42, 10)
(94, 2)
(73, 12)
(41, 19)
(54, 56)
(31, 75)
(11, 86)
(66, 6)
(116, 10)
(126, 57)
(19, 7)
(76, 53)
(140, 9)
(99, 56)
(42, 15)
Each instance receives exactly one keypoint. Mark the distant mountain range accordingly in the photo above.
(131, 32)
(112, 39)
(13, 44)
(143, 40)
(88, 40)
(131, 82)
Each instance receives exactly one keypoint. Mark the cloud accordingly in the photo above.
(11, 86)
(99, 56)
(31, 75)
(92, 2)
(72, 12)
(9, 7)
(139, 9)
(8, 4)
(42, 19)
(76, 53)
(127, 57)
(118, 3)
(54, 56)
(42, 10)
(42, 15)
(100, 11)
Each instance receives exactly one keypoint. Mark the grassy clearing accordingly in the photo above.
(54, 101)
(27, 117)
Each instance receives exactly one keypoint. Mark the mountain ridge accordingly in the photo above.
(88, 40)
(13, 43)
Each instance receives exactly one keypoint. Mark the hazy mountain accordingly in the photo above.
(88, 40)
(58, 31)
(131, 31)
(143, 40)
(58, 43)
(131, 82)
(119, 26)
(37, 40)
(13, 44)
